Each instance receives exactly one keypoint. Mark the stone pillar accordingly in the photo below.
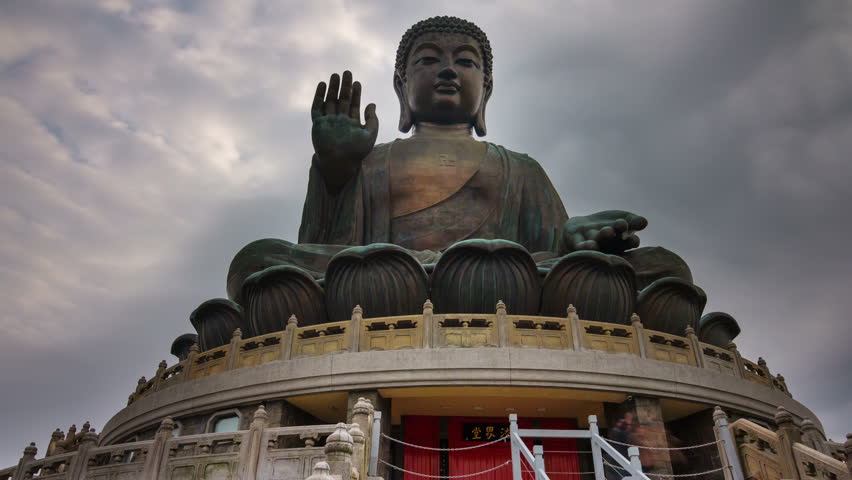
(359, 454)
(428, 326)
(649, 430)
(190, 362)
(320, 472)
(738, 359)
(289, 338)
(54, 447)
(788, 435)
(156, 460)
(378, 403)
(338, 452)
(848, 447)
(158, 377)
(30, 453)
(362, 416)
(252, 444)
(80, 463)
(636, 322)
(355, 326)
(234, 349)
(696, 347)
(502, 324)
(576, 329)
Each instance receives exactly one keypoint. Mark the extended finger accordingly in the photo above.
(330, 105)
(316, 108)
(355, 104)
(370, 118)
(588, 245)
(575, 239)
(631, 242)
(345, 93)
(620, 225)
(637, 222)
(606, 233)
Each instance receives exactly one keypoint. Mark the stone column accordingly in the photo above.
(695, 344)
(338, 452)
(362, 416)
(788, 435)
(320, 472)
(848, 447)
(636, 323)
(738, 359)
(379, 403)
(576, 329)
(30, 453)
(649, 431)
(289, 338)
(355, 326)
(158, 377)
(428, 326)
(80, 463)
(156, 460)
(502, 324)
(234, 349)
(252, 444)
(190, 362)
(812, 437)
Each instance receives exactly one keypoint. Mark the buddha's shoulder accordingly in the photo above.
(518, 159)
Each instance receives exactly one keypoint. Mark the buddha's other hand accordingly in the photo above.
(610, 231)
(341, 142)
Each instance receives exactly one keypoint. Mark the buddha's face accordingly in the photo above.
(444, 79)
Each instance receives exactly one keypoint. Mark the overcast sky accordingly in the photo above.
(143, 144)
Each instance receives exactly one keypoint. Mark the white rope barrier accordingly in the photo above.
(668, 475)
(567, 451)
(665, 448)
(435, 449)
(563, 473)
(468, 475)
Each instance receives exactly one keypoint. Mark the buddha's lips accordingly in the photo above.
(446, 86)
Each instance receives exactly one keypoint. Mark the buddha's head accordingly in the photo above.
(443, 74)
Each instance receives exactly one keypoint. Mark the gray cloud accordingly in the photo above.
(144, 143)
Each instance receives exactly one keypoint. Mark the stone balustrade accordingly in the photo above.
(260, 452)
(431, 330)
(766, 454)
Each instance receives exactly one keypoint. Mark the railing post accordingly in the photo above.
(516, 454)
(361, 413)
(355, 327)
(538, 452)
(234, 349)
(788, 435)
(696, 347)
(428, 324)
(251, 446)
(156, 458)
(190, 362)
(738, 359)
(502, 324)
(597, 458)
(289, 338)
(635, 463)
(80, 463)
(158, 377)
(848, 448)
(374, 444)
(30, 452)
(338, 452)
(727, 447)
(576, 330)
(762, 364)
(636, 322)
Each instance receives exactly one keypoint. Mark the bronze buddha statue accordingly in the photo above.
(441, 206)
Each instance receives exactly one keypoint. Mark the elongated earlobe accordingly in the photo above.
(405, 118)
(479, 119)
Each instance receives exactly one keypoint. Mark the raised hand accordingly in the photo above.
(341, 141)
(610, 231)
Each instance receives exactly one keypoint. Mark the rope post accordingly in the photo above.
(516, 454)
(597, 458)
(538, 452)
(374, 444)
(728, 449)
(635, 463)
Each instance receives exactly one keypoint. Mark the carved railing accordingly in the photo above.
(259, 452)
(768, 455)
(430, 330)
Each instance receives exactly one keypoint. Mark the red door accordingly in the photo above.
(425, 431)
(560, 453)
(465, 462)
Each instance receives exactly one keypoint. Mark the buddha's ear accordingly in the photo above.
(479, 119)
(405, 118)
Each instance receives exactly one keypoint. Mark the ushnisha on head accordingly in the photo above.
(443, 74)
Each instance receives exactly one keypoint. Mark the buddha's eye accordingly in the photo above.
(427, 61)
(466, 62)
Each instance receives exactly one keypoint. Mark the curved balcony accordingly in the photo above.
(456, 349)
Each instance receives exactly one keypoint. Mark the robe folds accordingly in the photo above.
(509, 198)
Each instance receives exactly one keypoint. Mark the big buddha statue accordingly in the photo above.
(441, 215)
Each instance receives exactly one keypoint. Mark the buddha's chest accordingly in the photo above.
(424, 173)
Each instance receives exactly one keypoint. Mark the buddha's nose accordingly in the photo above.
(448, 73)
